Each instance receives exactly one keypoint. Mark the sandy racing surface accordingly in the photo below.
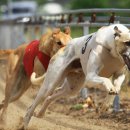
(59, 116)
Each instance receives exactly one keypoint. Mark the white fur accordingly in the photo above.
(37, 81)
(92, 63)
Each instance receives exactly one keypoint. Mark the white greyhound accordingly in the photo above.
(92, 60)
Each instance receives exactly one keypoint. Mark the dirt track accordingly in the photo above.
(59, 116)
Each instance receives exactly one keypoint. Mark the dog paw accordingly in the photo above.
(3, 119)
(26, 120)
(113, 92)
(37, 115)
(21, 127)
(1, 127)
(2, 124)
(102, 109)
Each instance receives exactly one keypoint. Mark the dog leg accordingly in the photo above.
(5, 102)
(71, 86)
(12, 63)
(56, 72)
(1, 105)
(20, 92)
(42, 94)
(11, 98)
(46, 89)
(106, 104)
(93, 69)
(58, 93)
(118, 80)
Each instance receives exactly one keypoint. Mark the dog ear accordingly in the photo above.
(117, 30)
(55, 31)
(67, 30)
(117, 33)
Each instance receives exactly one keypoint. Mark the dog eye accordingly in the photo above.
(127, 43)
(59, 43)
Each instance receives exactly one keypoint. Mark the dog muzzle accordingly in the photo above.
(126, 57)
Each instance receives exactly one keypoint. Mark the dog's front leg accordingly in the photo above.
(118, 80)
(92, 73)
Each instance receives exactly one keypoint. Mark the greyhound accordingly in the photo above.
(89, 60)
(29, 58)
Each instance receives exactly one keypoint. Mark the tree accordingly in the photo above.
(84, 4)
(3, 2)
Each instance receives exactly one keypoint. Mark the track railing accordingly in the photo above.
(35, 25)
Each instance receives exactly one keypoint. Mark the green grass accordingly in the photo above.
(77, 107)
(78, 31)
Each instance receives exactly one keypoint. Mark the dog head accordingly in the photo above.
(116, 38)
(122, 45)
(53, 41)
(61, 38)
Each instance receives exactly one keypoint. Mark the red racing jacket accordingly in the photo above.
(31, 52)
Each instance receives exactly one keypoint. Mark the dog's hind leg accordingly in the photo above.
(56, 72)
(1, 105)
(21, 85)
(14, 92)
(71, 86)
(41, 96)
(12, 63)
(4, 106)
(5, 102)
(16, 95)
(58, 93)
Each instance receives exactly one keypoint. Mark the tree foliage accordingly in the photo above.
(3, 2)
(84, 4)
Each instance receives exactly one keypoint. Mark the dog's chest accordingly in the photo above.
(110, 65)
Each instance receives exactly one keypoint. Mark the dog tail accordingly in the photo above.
(37, 81)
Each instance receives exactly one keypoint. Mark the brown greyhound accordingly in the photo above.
(25, 59)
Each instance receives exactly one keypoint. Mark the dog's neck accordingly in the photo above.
(113, 51)
(47, 47)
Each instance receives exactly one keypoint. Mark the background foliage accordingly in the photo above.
(78, 4)
(75, 4)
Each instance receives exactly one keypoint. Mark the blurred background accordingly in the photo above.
(21, 7)
(13, 34)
